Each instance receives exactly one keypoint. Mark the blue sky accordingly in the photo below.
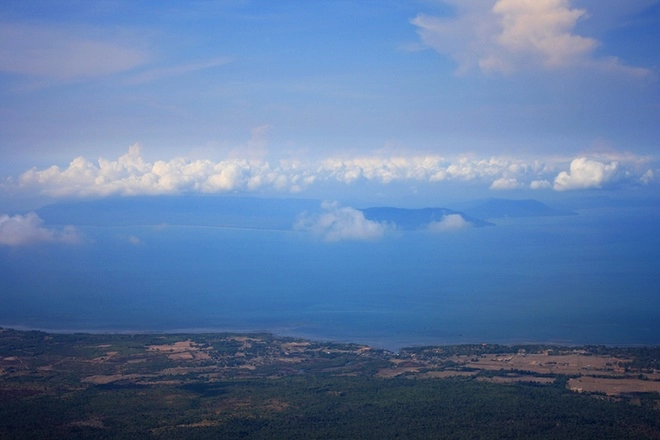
(327, 98)
(315, 110)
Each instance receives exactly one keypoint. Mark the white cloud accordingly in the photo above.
(586, 173)
(131, 174)
(451, 222)
(541, 31)
(63, 54)
(425, 168)
(505, 184)
(647, 177)
(540, 184)
(508, 35)
(20, 230)
(466, 38)
(132, 239)
(337, 223)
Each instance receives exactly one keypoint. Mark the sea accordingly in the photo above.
(591, 278)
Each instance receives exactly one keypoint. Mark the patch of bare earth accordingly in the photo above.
(276, 405)
(388, 373)
(447, 373)
(612, 386)
(605, 374)
(182, 350)
(295, 347)
(185, 370)
(289, 360)
(571, 364)
(106, 379)
(106, 357)
(399, 367)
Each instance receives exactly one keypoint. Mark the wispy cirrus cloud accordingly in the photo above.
(21, 230)
(508, 35)
(156, 74)
(56, 54)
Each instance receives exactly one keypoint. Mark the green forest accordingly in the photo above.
(50, 387)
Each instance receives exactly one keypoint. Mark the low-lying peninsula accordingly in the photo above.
(223, 385)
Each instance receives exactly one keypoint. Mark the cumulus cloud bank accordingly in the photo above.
(337, 223)
(130, 174)
(20, 230)
(507, 35)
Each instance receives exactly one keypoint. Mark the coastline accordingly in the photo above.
(393, 346)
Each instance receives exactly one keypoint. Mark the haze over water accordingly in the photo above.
(320, 109)
(586, 279)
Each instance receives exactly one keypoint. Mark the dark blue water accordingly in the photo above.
(587, 279)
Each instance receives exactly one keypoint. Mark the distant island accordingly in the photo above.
(412, 219)
(227, 385)
(227, 211)
(501, 208)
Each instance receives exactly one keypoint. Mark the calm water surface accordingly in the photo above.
(587, 279)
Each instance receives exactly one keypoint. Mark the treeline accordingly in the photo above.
(481, 349)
